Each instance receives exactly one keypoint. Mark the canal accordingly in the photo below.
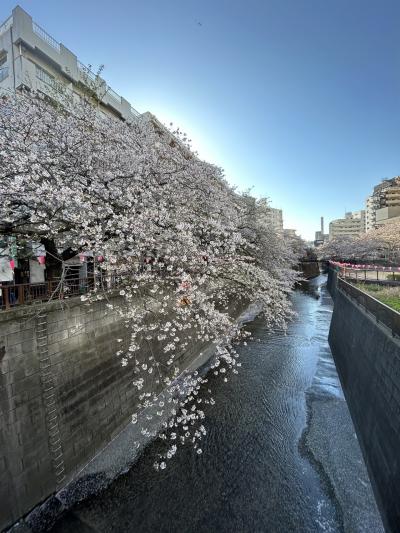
(280, 454)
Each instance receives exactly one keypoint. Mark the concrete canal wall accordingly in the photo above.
(367, 358)
(310, 269)
(63, 396)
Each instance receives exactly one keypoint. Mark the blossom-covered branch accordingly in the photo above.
(189, 251)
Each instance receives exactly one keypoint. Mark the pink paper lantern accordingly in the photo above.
(100, 258)
(12, 264)
(41, 259)
(81, 258)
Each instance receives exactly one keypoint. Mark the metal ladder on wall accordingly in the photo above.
(49, 399)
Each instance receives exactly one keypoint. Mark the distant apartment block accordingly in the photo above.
(351, 226)
(30, 57)
(383, 205)
(276, 218)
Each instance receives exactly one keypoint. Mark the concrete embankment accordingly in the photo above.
(367, 358)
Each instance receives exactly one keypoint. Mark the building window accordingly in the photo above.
(3, 67)
(45, 77)
(48, 79)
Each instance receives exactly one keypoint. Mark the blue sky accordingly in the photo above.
(299, 99)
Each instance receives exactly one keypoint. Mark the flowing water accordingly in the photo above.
(280, 453)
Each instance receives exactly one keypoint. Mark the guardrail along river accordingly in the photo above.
(280, 454)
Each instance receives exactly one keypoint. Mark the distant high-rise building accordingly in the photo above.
(352, 225)
(320, 236)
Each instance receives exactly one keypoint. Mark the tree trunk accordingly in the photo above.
(53, 259)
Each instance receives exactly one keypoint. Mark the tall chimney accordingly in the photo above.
(322, 226)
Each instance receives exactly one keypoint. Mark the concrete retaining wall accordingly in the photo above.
(332, 282)
(63, 396)
(310, 269)
(367, 358)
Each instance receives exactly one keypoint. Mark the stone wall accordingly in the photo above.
(63, 396)
(367, 358)
(310, 269)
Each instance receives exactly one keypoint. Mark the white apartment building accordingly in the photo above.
(271, 215)
(351, 226)
(370, 213)
(383, 205)
(30, 57)
(276, 218)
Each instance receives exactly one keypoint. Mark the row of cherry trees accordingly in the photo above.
(182, 242)
(380, 243)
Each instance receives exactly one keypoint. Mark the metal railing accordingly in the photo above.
(6, 24)
(86, 71)
(46, 37)
(374, 276)
(134, 112)
(3, 73)
(114, 95)
(27, 293)
(12, 295)
(383, 313)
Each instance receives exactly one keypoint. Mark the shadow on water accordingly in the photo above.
(252, 476)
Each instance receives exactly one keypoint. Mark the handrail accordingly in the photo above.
(113, 94)
(382, 312)
(26, 293)
(12, 295)
(134, 112)
(46, 37)
(86, 70)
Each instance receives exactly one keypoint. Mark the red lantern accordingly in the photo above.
(12, 264)
(41, 259)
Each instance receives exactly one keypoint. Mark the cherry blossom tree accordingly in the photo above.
(387, 238)
(383, 242)
(189, 252)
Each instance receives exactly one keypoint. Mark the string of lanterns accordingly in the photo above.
(364, 267)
